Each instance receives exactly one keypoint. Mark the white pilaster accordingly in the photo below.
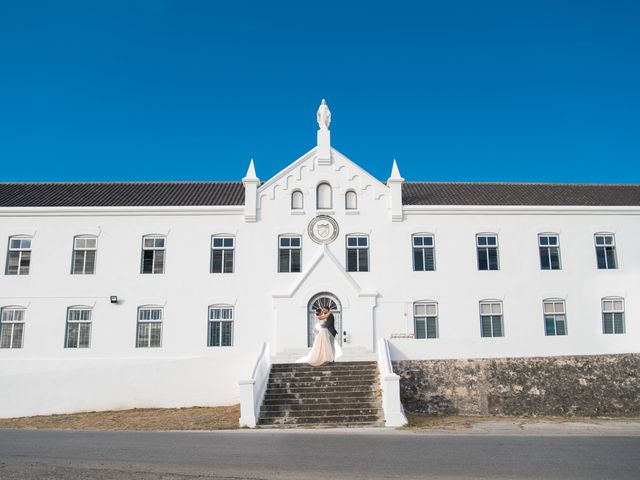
(251, 183)
(394, 183)
(324, 147)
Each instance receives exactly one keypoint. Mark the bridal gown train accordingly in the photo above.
(325, 348)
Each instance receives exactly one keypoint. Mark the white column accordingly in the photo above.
(324, 147)
(251, 183)
(394, 183)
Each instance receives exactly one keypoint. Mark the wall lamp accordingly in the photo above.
(113, 298)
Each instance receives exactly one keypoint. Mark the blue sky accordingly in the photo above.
(533, 91)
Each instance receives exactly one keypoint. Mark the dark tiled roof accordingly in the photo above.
(120, 194)
(540, 194)
(145, 194)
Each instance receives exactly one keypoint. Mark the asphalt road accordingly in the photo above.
(321, 455)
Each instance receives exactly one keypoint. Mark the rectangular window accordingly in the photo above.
(12, 328)
(19, 256)
(549, 245)
(289, 253)
(149, 328)
(487, 246)
(612, 315)
(222, 252)
(606, 251)
(357, 253)
(220, 327)
(78, 333)
(491, 319)
(425, 316)
(423, 253)
(84, 255)
(555, 318)
(153, 249)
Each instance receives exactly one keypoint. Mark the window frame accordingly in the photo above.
(149, 322)
(548, 247)
(12, 335)
(423, 247)
(80, 323)
(293, 203)
(487, 247)
(426, 317)
(555, 314)
(613, 312)
(604, 246)
(20, 251)
(77, 249)
(491, 303)
(354, 195)
(290, 250)
(154, 249)
(212, 321)
(357, 247)
(224, 252)
(330, 196)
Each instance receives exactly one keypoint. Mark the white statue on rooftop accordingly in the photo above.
(324, 115)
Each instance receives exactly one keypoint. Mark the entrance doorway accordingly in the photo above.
(321, 300)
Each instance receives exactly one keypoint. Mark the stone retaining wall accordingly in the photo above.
(595, 385)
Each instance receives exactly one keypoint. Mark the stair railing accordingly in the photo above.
(390, 384)
(252, 389)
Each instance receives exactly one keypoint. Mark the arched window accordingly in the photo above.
(323, 196)
(555, 317)
(19, 255)
(222, 253)
(351, 200)
(84, 255)
(153, 250)
(491, 321)
(78, 333)
(220, 326)
(606, 251)
(297, 200)
(149, 332)
(425, 317)
(12, 326)
(613, 315)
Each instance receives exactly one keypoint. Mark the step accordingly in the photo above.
(320, 391)
(322, 401)
(367, 424)
(315, 419)
(341, 413)
(297, 383)
(324, 370)
(348, 375)
(363, 408)
(305, 395)
(279, 360)
(335, 364)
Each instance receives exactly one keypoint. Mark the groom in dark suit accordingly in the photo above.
(330, 323)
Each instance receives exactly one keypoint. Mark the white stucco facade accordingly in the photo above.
(271, 306)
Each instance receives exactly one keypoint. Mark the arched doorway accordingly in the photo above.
(320, 300)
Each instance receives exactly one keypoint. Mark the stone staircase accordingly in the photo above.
(341, 394)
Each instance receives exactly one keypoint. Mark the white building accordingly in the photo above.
(119, 295)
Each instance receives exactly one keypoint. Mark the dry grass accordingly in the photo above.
(193, 418)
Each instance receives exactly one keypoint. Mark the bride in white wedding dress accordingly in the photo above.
(325, 349)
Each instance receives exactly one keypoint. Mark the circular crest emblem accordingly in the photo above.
(323, 229)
